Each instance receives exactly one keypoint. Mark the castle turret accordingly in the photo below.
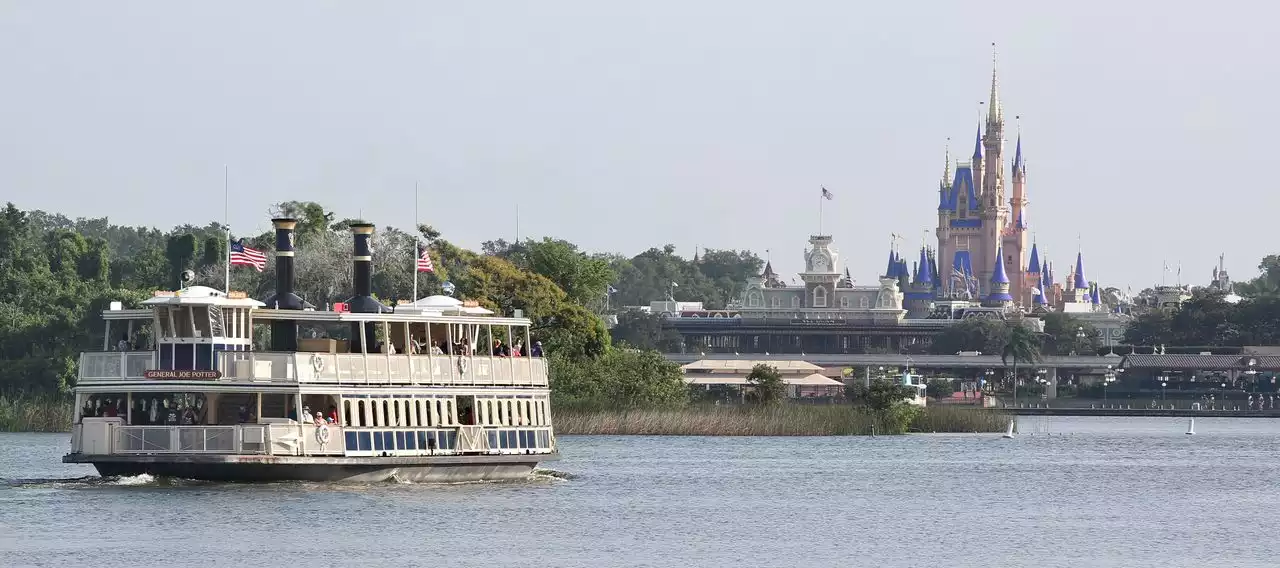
(1080, 281)
(919, 297)
(999, 296)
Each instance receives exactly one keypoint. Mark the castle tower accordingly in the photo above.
(994, 213)
(1014, 238)
(999, 296)
(919, 297)
(821, 272)
(1034, 276)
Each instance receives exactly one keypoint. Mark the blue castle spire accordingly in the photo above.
(925, 276)
(1080, 282)
(1017, 155)
(999, 281)
(888, 270)
(1033, 265)
(1094, 297)
(998, 276)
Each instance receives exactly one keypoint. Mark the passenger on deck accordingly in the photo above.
(188, 417)
(537, 349)
(333, 414)
(109, 409)
(244, 414)
(123, 344)
(518, 350)
(319, 421)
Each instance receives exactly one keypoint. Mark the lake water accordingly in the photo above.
(1067, 492)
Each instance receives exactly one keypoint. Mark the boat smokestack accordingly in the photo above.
(362, 302)
(284, 333)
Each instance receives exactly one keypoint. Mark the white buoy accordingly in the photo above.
(1009, 433)
(1191, 426)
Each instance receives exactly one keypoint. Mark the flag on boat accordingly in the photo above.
(245, 256)
(424, 260)
(826, 194)
(1036, 292)
(448, 288)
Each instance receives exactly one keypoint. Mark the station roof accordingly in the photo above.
(1180, 362)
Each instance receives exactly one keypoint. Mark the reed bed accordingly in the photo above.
(779, 420)
(38, 413)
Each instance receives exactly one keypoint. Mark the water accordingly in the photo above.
(1096, 492)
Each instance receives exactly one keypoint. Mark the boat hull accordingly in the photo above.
(425, 469)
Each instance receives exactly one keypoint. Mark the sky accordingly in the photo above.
(1149, 132)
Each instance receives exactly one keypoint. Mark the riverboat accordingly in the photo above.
(359, 392)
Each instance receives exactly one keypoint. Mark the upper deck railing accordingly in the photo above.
(335, 368)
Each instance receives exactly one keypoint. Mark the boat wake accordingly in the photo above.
(552, 474)
(86, 481)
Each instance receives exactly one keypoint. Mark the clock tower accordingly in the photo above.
(821, 272)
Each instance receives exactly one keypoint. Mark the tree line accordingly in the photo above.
(57, 274)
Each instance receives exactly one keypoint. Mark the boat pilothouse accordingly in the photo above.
(360, 392)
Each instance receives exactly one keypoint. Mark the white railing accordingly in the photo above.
(377, 369)
(116, 365)
(337, 368)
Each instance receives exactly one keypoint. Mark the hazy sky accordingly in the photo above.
(1149, 128)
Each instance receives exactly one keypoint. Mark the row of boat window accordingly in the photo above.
(434, 412)
(419, 440)
(431, 440)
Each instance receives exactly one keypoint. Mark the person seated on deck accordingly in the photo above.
(497, 348)
(188, 417)
(109, 409)
(170, 414)
(333, 414)
(123, 344)
(537, 349)
(319, 421)
(518, 350)
(244, 414)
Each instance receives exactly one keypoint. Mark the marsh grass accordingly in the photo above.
(776, 420)
(35, 413)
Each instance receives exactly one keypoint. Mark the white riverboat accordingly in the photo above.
(359, 393)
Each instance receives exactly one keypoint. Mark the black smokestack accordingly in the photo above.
(362, 283)
(284, 333)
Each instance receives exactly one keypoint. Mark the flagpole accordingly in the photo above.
(416, 236)
(820, 198)
(226, 224)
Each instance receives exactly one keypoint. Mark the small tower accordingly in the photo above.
(999, 296)
(919, 297)
(1033, 276)
(1039, 301)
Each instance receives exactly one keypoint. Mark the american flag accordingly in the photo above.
(826, 194)
(424, 261)
(244, 256)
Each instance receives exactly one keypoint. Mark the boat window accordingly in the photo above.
(435, 412)
(217, 323)
(166, 330)
(350, 413)
(413, 412)
(380, 412)
(366, 413)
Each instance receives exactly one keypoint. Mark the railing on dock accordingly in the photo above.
(337, 368)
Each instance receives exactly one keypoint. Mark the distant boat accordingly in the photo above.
(1009, 433)
(1191, 426)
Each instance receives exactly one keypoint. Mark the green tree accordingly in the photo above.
(940, 388)
(767, 386)
(645, 331)
(621, 378)
(180, 251)
(881, 396)
(976, 334)
(1021, 345)
(1064, 333)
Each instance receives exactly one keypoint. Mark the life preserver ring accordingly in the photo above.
(317, 363)
(322, 434)
(462, 365)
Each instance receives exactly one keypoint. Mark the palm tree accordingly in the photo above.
(1022, 345)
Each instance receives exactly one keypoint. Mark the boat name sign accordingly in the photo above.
(180, 374)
